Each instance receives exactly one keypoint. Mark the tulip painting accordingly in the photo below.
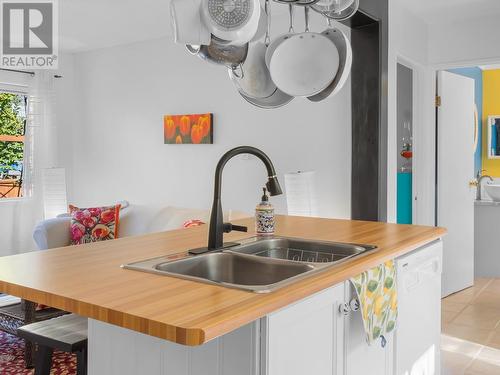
(188, 129)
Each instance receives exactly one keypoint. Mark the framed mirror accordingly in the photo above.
(494, 137)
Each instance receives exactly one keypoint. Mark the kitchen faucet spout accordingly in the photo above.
(217, 225)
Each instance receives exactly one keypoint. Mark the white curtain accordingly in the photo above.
(19, 216)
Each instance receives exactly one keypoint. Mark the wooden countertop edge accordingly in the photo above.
(185, 336)
(194, 336)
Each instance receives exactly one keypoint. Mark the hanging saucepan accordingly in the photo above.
(235, 21)
(304, 64)
(255, 82)
(286, 1)
(262, 28)
(255, 85)
(221, 53)
(277, 100)
(339, 10)
(345, 52)
(276, 42)
(297, 2)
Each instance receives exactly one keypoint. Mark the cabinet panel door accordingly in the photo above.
(118, 351)
(361, 358)
(300, 339)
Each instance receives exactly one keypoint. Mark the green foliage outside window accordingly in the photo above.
(12, 120)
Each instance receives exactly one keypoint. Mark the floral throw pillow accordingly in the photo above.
(192, 223)
(94, 224)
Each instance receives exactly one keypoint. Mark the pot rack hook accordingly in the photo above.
(238, 71)
(267, 9)
(306, 14)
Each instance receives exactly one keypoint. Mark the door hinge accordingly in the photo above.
(438, 101)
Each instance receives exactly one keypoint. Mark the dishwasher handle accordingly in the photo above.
(413, 277)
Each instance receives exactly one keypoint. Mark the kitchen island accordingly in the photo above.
(138, 319)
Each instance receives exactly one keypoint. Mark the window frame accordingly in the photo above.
(19, 89)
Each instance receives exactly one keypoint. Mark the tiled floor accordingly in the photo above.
(471, 330)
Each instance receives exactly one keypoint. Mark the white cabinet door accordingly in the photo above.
(359, 357)
(304, 338)
(118, 351)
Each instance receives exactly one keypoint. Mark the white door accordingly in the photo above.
(455, 206)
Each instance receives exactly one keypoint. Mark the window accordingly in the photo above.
(12, 142)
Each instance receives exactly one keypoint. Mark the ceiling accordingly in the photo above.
(434, 11)
(93, 24)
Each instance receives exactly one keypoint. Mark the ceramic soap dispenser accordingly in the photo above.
(264, 217)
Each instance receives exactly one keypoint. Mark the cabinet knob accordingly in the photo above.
(354, 304)
(344, 308)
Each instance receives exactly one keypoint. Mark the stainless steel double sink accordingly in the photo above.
(257, 264)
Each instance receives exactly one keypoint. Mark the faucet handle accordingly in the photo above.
(228, 227)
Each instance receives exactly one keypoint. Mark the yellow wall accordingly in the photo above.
(491, 106)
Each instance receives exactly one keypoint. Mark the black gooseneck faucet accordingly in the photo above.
(217, 225)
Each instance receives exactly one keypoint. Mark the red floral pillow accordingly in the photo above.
(192, 223)
(94, 224)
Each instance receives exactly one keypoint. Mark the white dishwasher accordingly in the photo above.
(418, 336)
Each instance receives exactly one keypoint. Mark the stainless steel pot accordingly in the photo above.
(255, 85)
(339, 10)
(221, 53)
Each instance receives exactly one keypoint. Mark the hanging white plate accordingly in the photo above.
(304, 64)
(345, 52)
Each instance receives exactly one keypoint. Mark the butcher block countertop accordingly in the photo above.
(88, 280)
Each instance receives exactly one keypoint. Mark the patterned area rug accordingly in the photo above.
(12, 358)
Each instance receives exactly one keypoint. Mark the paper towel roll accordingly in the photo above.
(301, 193)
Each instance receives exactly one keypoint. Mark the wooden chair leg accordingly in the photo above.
(29, 317)
(43, 360)
(81, 362)
(28, 354)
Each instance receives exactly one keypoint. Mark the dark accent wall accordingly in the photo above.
(369, 38)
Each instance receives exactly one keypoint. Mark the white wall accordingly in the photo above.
(118, 150)
(66, 115)
(408, 44)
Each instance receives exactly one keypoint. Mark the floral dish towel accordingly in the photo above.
(377, 294)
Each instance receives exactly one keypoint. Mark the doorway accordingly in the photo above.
(404, 148)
